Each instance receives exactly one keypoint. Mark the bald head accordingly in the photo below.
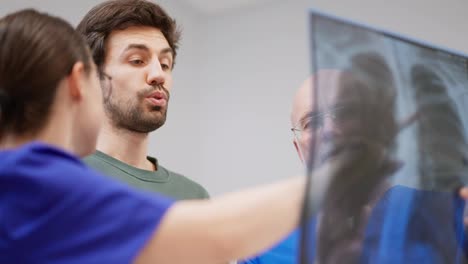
(303, 105)
(303, 99)
(337, 105)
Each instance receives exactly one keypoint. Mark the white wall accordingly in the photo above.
(247, 66)
(228, 122)
(233, 130)
(72, 11)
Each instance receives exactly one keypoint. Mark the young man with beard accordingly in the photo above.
(134, 44)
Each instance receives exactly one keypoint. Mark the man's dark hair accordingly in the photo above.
(112, 15)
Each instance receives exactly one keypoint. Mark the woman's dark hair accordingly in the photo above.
(113, 15)
(37, 51)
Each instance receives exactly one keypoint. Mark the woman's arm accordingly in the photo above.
(233, 226)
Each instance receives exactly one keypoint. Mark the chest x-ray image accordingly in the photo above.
(388, 123)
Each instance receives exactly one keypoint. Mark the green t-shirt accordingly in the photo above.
(161, 181)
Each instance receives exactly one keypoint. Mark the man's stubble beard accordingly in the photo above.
(132, 116)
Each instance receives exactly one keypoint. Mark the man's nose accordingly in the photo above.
(155, 75)
(329, 129)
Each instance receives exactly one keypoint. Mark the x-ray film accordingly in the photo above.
(386, 148)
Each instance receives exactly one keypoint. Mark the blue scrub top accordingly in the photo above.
(406, 226)
(54, 209)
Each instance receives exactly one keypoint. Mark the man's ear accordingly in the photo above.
(76, 81)
(298, 150)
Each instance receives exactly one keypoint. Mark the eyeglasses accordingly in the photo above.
(312, 122)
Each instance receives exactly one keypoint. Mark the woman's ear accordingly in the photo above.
(75, 81)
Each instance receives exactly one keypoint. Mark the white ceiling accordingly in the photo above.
(219, 6)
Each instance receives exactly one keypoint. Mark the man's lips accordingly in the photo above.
(158, 95)
(157, 98)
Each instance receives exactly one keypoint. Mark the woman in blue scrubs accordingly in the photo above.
(54, 209)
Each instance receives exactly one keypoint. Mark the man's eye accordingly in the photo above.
(165, 67)
(311, 123)
(137, 62)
